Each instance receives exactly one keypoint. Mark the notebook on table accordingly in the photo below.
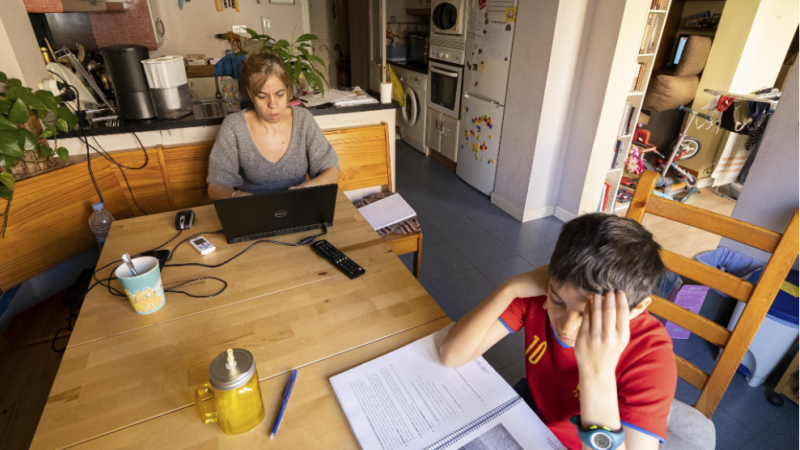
(407, 399)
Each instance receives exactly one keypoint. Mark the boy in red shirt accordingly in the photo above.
(591, 348)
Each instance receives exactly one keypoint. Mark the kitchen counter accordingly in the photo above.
(193, 120)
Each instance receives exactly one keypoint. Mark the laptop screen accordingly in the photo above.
(262, 215)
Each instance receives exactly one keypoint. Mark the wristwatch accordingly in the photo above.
(598, 438)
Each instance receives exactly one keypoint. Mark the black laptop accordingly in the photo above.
(263, 215)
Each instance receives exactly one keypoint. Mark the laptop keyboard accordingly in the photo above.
(267, 234)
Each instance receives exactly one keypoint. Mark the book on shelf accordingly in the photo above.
(617, 153)
(638, 76)
(407, 399)
(623, 125)
(651, 33)
(604, 197)
(656, 4)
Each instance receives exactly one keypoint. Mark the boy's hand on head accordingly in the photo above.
(604, 334)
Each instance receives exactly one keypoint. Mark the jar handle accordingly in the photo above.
(204, 392)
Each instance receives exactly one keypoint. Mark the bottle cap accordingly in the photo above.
(97, 206)
(225, 376)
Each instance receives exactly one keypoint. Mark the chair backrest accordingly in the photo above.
(364, 157)
(758, 298)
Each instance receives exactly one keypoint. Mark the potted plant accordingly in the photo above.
(296, 57)
(24, 150)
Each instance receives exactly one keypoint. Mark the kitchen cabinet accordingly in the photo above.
(418, 7)
(141, 25)
(442, 134)
(71, 6)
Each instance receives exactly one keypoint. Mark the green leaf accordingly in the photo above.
(307, 37)
(5, 106)
(63, 153)
(240, 53)
(27, 141)
(317, 59)
(45, 150)
(42, 113)
(9, 144)
(49, 100)
(49, 132)
(13, 82)
(72, 121)
(7, 179)
(6, 124)
(283, 43)
(19, 113)
(3, 77)
(63, 113)
(282, 53)
(6, 192)
(62, 125)
(30, 100)
(7, 162)
(296, 70)
(252, 33)
(304, 52)
(305, 45)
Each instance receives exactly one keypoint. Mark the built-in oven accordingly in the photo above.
(448, 17)
(444, 87)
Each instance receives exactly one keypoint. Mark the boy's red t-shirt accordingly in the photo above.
(646, 372)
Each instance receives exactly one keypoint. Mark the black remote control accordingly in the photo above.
(338, 259)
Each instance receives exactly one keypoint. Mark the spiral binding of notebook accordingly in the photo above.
(455, 436)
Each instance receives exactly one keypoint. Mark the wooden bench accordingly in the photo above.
(50, 213)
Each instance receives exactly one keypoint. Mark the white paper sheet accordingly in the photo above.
(387, 211)
(408, 400)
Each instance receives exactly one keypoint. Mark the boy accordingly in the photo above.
(591, 348)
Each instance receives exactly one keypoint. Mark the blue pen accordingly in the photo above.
(286, 394)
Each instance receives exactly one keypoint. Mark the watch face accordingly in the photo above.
(601, 441)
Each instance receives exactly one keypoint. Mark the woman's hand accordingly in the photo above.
(328, 176)
(605, 332)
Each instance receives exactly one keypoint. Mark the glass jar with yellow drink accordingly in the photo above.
(233, 388)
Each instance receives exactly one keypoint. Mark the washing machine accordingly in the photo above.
(411, 118)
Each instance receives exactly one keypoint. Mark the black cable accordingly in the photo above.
(304, 241)
(225, 286)
(102, 152)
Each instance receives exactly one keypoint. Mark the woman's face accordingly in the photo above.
(271, 100)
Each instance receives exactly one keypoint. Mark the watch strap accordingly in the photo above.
(598, 437)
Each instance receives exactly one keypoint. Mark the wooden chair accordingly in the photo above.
(784, 249)
(365, 161)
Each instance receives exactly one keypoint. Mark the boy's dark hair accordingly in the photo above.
(598, 252)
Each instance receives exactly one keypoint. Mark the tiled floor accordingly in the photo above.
(470, 246)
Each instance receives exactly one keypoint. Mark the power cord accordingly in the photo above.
(73, 311)
(102, 152)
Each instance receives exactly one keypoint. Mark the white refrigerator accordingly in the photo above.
(490, 35)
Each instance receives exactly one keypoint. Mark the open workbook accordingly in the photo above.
(408, 400)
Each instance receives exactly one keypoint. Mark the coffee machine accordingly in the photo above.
(130, 85)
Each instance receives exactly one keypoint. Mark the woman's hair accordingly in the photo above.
(258, 68)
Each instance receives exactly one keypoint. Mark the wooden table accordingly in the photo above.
(126, 377)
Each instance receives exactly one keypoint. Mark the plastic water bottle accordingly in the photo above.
(100, 223)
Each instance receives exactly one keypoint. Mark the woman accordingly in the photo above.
(270, 148)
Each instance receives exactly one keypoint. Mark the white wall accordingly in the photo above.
(19, 55)
(770, 194)
(192, 29)
(527, 81)
(602, 88)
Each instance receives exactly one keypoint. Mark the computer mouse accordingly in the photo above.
(184, 220)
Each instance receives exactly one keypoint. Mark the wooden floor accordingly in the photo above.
(28, 369)
(683, 239)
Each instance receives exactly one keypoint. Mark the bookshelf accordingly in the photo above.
(641, 69)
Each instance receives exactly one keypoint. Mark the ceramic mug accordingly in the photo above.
(144, 291)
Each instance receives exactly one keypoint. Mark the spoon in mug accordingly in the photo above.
(127, 260)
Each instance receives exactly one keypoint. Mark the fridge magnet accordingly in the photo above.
(491, 137)
(479, 136)
(481, 159)
(469, 66)
(479, 128)
(481, 4)
(481, 66)
(480, 50)
(475, 148)
(472, 132)
(467, 109)
(491, 161)
(511, 14)
(462, 145)
(508, 27)
(476, 83)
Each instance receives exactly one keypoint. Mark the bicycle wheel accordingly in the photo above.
(690, 144)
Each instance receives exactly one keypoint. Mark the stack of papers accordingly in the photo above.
(387, 211)
(356, 97)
